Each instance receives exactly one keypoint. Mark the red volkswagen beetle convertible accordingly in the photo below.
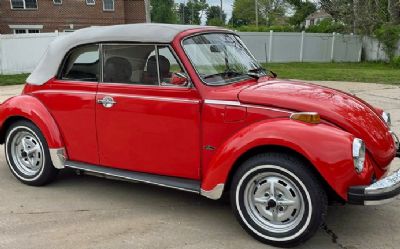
(188, 107)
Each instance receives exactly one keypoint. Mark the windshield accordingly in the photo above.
(220, 59)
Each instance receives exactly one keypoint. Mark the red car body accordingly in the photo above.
(250, 114)
(202, 133)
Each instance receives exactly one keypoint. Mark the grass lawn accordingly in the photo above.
(353, 72)
(6, 80)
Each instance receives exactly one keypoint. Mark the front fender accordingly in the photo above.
(327, 148)
(31, 108)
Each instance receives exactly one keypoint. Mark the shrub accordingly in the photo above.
(326, 26)
(389, 36)
(396, 61)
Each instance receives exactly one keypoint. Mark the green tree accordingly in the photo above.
(192, 11)
(302, 10)
(359, 16)
(243, 12)
(163, 11)
(214, 14)
(268, 11)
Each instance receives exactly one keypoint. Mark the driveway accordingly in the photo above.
(89, 212)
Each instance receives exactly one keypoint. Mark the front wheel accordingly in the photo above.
(277, 199)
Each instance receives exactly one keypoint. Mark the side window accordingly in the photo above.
(138, 64)
(169, 66)
(82, 64)
(127, 64)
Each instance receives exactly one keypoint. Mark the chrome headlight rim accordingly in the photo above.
(358, 155)
(387, 118)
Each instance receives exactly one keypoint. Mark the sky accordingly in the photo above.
(226, 6)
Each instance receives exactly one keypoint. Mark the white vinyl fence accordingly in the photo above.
(303, 47)
(21, 53)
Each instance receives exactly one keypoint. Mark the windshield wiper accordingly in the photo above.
(256, 72)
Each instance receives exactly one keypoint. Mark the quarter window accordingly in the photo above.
(23, 4)
(108, 5)
(82, 64)
(138, 64)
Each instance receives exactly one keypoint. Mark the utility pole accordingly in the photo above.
(256, 9)
(220, 13)
(191, 19)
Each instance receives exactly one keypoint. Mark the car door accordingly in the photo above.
(70, 98)
(144, 123)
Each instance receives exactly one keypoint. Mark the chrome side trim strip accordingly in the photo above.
(58, 157)
(221, 102)
(66, 92)
(159, 180)
(215, 193)
(134, 96)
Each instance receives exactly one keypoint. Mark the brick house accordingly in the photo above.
(37, 16)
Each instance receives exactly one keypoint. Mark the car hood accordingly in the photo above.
(341, 109)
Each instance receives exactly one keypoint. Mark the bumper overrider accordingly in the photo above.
(380, 192)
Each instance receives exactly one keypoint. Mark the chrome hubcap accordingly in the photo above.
(27, 153)
(274, 202)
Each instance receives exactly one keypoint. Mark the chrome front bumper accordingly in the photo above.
(380, 192)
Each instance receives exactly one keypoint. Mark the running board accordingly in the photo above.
(164, 181)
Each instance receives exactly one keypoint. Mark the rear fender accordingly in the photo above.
(30, 108)
(327, 148)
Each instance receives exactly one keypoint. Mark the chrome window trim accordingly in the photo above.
(157, 45)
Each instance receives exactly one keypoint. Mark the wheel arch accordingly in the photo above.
(272, 148)
(25, 107)
(325, 148)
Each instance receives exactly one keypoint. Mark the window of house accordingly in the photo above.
(138, 64)
(82, 64)
(24, 4)
(108, 5)
(25, 31)
(57, 2)
(90, 2)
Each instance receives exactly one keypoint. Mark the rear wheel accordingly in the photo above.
(28, 155)
(277, 199)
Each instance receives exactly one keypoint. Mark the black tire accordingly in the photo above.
(302, 185)
(46, 172)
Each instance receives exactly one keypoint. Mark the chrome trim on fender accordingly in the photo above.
(237, 103)
(221, 102)
(58, 157)
(215, 193)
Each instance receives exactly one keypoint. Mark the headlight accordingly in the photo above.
(386, 117)
(358, 154)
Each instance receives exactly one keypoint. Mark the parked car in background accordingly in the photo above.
(188, 107)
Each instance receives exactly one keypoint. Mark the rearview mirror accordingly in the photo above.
(217, 48)
(179, 79)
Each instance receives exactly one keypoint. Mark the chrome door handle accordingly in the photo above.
(107, 102)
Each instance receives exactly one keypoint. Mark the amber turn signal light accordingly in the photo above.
(307, 117)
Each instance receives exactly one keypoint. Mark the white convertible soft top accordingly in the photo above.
(143, 32)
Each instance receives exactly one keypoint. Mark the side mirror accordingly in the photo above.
(179, 79)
